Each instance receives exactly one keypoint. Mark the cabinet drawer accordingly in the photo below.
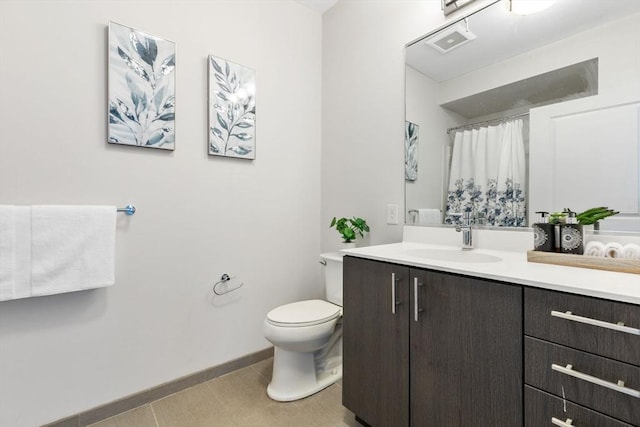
(572, 330)
(541, 408)
(590, 381)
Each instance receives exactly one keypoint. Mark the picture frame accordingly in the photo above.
(411, 131)
(141, 89)
(232, 109)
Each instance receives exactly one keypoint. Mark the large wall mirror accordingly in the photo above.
(510, 114)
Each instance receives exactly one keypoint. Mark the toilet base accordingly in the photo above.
(295, 376)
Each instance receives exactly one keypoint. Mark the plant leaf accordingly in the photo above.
(244, 125)
(171, 102)
(134, 65)
(223, 123)
(242, 136)
(241, 151)
(138, 97)
(166, 117)
(113, 111)
(157, 98)
(215, 65)
(146, 47)
(155, 137)
(122, 108)
(217, 132)
(168, 64)
(224, 87)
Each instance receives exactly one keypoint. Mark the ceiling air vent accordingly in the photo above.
(450, 38)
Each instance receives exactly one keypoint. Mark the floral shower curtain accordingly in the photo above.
(488, 174)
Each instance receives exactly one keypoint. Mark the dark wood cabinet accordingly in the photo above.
(585, 351)
(466, 352)
(424, 348)
(544, 409)
(375, 382)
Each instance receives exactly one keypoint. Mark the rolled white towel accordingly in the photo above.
(613, 250)
(631, 251)
(594, 248)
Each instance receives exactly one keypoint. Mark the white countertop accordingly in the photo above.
(514, 268)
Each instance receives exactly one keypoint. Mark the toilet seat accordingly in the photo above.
(304, 313)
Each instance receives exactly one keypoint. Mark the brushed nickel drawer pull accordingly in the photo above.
(557, 422)
(416, 308)
(619, 386)
(589, 321)
(393, 293)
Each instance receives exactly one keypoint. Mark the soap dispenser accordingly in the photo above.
(571, 236)
(544, 234)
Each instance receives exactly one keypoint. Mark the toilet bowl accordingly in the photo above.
(307, 339)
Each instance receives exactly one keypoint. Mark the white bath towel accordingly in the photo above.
(631, 251)
(613, 250)
(594, 248)
(73, 248)
(429, 216)
(15, 252)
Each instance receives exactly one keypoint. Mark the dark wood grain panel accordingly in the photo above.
(617, 345)
(540, 407)
(466, 352)
(375, 343)
(540, 355)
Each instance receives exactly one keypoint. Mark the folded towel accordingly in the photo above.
(15, 252)
(73, 248)
(613, 250)
(631, 251)
(594, 248)
(429, 216)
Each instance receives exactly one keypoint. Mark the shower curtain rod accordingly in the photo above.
(498, 119)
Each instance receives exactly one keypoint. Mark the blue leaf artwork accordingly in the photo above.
(232, 109)
(141, 89)
(411, 151)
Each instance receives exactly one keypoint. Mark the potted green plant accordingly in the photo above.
(350, 228)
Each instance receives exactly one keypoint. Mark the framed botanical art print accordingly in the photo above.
(411, 151)
(232, 109)
(142, 89)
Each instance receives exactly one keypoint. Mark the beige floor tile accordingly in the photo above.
(264, 368)
(326, 410)
(239, 399)
(193, 407)
(138, 417)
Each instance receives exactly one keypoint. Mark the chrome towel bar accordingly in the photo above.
(129, 209)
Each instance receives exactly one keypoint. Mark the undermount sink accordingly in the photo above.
(453, 255)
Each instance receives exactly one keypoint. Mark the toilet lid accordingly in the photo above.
(304, 313)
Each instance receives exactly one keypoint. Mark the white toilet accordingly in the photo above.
(307, 339)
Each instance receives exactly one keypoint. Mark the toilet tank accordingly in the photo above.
(333, 276)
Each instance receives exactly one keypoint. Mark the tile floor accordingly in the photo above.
(238, 399)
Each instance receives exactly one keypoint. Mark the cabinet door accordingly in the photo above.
(375, 342)
(466, 351)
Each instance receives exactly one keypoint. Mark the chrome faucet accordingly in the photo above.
(465, 228)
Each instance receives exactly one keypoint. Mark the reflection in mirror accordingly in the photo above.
(526, 113)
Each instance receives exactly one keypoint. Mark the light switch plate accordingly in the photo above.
(392, 214)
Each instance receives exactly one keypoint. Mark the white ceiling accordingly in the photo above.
(320, 6)
(501, 34)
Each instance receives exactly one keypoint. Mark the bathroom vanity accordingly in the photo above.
(448, 342)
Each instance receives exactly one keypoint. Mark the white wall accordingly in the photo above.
(363, 109)
(427, 191)
(198, 216)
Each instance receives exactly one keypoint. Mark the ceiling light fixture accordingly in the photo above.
(527, 7)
